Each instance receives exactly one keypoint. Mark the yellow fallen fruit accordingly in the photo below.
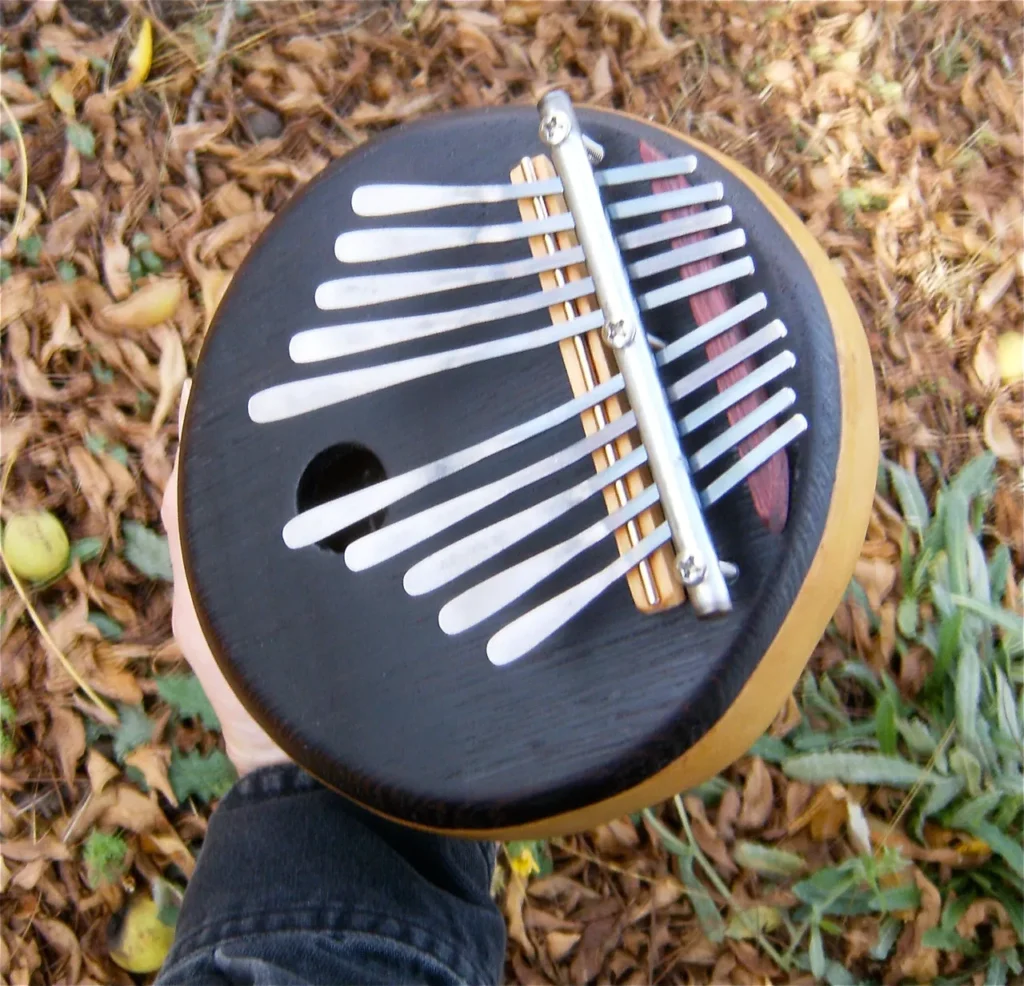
(35, 546)
(1011, 356)
(152, 304)
(136, 937)
(141, 58)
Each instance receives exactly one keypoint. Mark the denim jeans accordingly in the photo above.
(295, 884)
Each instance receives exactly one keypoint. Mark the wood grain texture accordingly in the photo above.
(353, 678)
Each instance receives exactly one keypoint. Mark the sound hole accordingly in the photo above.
(337, 471)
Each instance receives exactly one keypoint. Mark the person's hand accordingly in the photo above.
(248, 746)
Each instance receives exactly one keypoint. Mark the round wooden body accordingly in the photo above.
(354, 678)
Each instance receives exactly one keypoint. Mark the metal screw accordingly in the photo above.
(618, 334)
(595, 152)
(554, 128)
(691, 569)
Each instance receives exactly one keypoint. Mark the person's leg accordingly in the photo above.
(295, 884)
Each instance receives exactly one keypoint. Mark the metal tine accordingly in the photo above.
(754, 459)
(330, 341)
(743, 387)
(390, 243)
(324, 520)
(659, 232)
(319, 522)
(461, 556)
(701, 250)
(364, 245)
(666, 201)
(397, 199)
(743, 428)
(704, 281)
(287, 400)
(327, 342)
(375, 289)
(520, 636)
(486, 598)
(734, 355)
(380, 545)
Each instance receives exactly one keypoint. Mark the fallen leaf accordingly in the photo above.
(133, 810)
(67, 738)
(515, 898)
(560, 943)
(150, 305)
(999, 436)
(63, 338)
(27, 849)
(141, 58)
(65, 943)
(995, 287)
(116, 257)
(213, 282)
(100, 771)
(758, 796)
(93, 482)
(825, 815)
(152, 763)
(986, 362)
(173, 371)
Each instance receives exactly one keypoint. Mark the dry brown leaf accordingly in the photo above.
(31, 380)
(825, 815)
(196, 136)
(170, 846)
(17, 296)
(758, 796)
(515, 898)
(116, 257)
(986, 363)
(100, 771)
(152, 762)
(28, 876)
(913, 959)
(93, 482)
(560, 943)
(999, 436)
(66, 738)
(27, 849)
(131, 809)
(65, 943)
(153, 303)
(707, 838)
(230, 231)
(63, 337)
(601, 78)
(173, 371)
(62, 234)
(995, 287)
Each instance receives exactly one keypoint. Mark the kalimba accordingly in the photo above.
(526, 460)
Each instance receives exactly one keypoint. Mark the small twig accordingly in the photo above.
(603, 863)
(23, 160)
(195, 102)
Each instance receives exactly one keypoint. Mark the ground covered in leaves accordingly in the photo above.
(875, 833)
